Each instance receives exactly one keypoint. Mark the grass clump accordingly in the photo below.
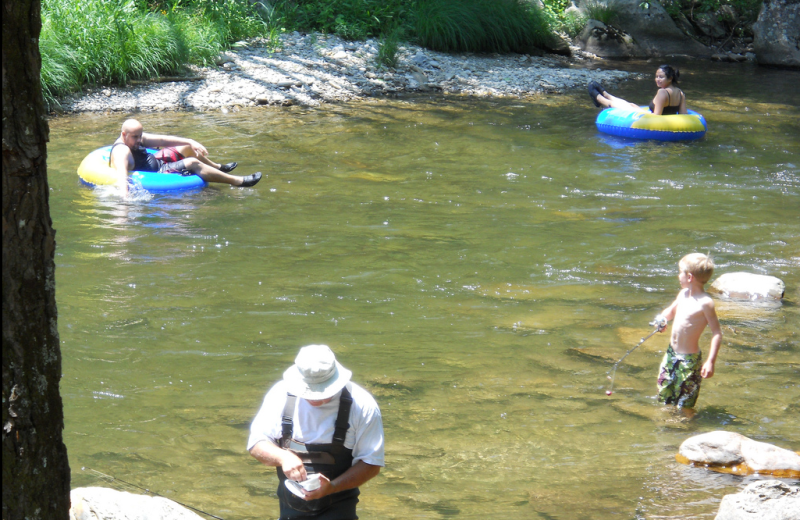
(388, 47)
(605, 12)
(480, 25)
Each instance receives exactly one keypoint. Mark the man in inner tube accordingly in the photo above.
(317, 421)
(177, 155)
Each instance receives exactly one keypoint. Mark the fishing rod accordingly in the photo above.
(659, 327)
(110, 478)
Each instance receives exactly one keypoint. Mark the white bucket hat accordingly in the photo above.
(316, 375)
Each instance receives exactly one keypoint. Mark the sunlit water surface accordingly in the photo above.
(479, 265)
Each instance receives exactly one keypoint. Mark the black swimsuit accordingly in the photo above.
(669, 110)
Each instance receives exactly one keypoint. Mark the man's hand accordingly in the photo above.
(325, 488)
(293, 467)
(198, 148)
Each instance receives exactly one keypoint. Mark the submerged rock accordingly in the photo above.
(734, 453)
(749, 286)
(98, 503)
(762, 500)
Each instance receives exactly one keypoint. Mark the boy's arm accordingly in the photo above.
(665, 316)
(716, 339)
(161, 141)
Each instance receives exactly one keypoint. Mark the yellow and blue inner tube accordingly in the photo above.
(95, 171)
(643, 124)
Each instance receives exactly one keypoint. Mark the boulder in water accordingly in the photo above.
(762, 500)
(749, 286)
(99, 503)
(734, 453)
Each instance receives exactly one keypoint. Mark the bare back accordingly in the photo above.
(690, 321)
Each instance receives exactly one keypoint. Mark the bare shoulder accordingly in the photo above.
(705, 301)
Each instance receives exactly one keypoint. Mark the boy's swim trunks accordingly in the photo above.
(679, 378)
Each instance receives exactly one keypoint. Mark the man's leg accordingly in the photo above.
(210, 174)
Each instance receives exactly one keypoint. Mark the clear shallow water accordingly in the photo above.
(478, 264)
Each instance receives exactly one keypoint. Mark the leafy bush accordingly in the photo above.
(350, 19)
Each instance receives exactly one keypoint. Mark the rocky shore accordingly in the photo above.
(312, 69)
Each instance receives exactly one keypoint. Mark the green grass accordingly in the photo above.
(480, 25)
(107, 42)
(605, 11)
(91, 42)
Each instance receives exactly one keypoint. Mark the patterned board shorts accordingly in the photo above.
(679, 378)
(171, 161)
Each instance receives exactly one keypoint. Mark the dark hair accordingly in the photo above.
(671, 74)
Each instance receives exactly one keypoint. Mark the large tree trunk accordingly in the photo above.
(35, 466)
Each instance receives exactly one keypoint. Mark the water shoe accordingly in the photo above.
(250, 180)
(227, 168)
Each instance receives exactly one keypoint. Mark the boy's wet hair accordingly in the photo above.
(699, 265)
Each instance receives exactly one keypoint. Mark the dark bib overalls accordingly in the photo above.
(143, 161)
(330, 460)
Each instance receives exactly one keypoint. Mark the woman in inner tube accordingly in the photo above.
(669, 99)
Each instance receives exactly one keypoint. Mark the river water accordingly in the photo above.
(479, 265)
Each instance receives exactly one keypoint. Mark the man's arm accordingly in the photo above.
(716, 339)
(271, 455)
(120, 162)
(355, 476)
(161, 141)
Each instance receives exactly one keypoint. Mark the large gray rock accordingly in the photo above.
(762, 500)
(604, 40)
(653, 31)
(97, 503)
(750, 286)
(727, 449)
(777, 33)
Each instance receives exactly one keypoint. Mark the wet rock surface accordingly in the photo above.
(313, 69)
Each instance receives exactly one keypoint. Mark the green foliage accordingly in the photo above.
(388, 47)
(734, 13)
(85, 42)
(602, 11)
(349, 19)
(480, 25)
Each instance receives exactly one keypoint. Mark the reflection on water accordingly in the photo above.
(479, 264)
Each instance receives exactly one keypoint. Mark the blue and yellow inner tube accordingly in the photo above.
(95, 171)
(643, 124)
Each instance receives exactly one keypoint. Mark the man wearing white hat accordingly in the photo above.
(318, 428)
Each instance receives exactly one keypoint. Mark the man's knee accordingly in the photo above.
(192, 164)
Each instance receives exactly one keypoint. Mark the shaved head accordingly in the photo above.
(131, 125)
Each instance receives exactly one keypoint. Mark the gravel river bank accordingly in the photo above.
(313, 69)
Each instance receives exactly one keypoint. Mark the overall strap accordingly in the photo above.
(110, 152)
(342, 424)
(286, 420)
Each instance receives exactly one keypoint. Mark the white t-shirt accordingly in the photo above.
(315, 425)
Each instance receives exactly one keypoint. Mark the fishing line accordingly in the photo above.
(110, 478)
(613, 371)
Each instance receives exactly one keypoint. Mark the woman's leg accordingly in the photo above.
(609, 101)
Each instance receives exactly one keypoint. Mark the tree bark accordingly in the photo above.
(35, 467)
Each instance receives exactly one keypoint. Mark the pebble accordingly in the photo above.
(313, 69)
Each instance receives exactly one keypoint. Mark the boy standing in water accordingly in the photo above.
(681, 370)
